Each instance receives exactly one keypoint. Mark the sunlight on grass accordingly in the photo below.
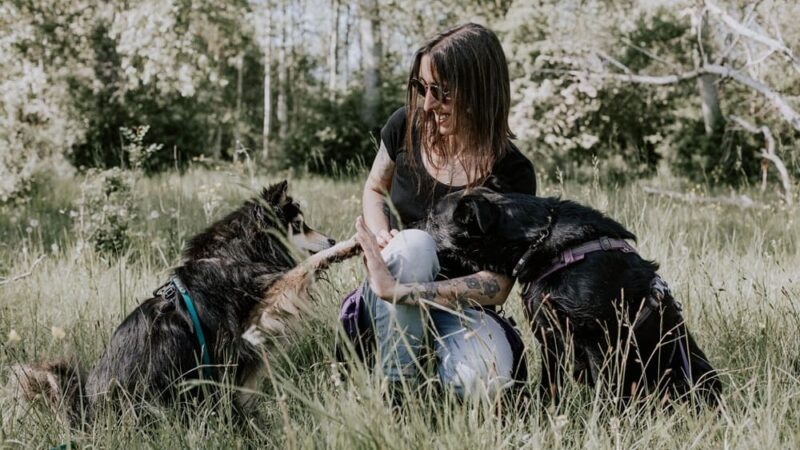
(734, 270)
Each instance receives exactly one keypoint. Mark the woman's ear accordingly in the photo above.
(476, 214)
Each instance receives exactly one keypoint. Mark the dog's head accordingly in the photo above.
(483, 227)
(492, 231)
(292, 220)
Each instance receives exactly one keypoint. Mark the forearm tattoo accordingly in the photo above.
(457, 292)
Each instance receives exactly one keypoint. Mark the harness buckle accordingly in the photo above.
(167, 292)
(605, 243)
(568, 256)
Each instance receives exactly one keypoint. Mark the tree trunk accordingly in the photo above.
(283, 72)
(345, 79)
(267, 44)
(237, 124)
(706, 83)
(712, 114)
(371, 52)
(333, 49)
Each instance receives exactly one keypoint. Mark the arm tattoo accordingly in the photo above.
(491, 288)
(428, 291)
(473, 283)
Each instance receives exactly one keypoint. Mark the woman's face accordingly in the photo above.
(441, 110)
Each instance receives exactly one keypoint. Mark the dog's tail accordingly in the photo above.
(60, 384)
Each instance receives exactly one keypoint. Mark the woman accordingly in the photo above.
(452, 135)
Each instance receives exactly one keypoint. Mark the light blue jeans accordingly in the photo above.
(473, 354)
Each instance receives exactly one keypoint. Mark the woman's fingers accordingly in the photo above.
(383, 238)
(380, 279)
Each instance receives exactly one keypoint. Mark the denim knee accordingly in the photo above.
(411, 257)
(475, 356)
(399, 329)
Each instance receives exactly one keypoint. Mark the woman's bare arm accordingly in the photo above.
(484, 288)
(376, 188)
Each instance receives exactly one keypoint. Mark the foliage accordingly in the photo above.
(36, 112)
(106, 210)
(333, 139)
(75, 73)
(565, 116)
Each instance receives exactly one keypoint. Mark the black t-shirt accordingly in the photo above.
(414, 191)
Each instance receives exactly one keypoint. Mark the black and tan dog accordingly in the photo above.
(584, 285)
(245, 288)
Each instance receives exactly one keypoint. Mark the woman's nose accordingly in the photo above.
(430, 102)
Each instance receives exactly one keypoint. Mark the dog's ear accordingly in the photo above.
(475, 213)
(276, 194)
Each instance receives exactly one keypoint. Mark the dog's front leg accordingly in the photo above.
(287, 299)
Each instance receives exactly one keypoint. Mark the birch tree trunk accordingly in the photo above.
(237, 124)
(283, 72)
(267, 44)
(706, 83)
(333, 50)
(371, 52)
(345, 78)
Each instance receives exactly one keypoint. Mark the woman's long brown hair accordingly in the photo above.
(468, 61)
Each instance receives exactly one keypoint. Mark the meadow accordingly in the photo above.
(735, 271)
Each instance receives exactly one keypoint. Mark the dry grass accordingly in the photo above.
(734, 270)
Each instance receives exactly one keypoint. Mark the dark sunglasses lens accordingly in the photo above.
(438, 93)
(418, 86)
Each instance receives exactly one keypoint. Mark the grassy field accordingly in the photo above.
(736, 272)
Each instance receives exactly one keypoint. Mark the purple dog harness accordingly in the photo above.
(658, 287)
(575, 254)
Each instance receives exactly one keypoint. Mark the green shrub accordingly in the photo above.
(105, 210)
(333, 139)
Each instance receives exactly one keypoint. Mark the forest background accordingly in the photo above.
(127, 127)
(706, 91)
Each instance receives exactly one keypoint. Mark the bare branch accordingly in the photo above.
(613, 61)
(777, 101)
(4, 281)
(741, 29)
(633, 78)
(770, 155)
(648, 53)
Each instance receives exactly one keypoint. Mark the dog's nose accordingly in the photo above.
(331, 242)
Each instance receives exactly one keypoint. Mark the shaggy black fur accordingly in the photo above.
(591, 304)
(228, 270)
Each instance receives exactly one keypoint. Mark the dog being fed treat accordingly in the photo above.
(586, 292)
(238, 289)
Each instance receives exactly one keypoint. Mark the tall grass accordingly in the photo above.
(734, 270)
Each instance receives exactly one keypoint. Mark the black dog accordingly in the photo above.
(245, 288)
(625, 328)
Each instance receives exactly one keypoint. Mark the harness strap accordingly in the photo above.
(572, 255)
(198, 329)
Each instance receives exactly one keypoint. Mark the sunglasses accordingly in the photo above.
(439, 94)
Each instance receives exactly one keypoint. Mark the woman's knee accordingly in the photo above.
(411, 256)
(477, 359)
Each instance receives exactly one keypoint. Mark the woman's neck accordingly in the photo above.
(449, 170)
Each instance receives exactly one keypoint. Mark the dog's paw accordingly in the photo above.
(254, 336)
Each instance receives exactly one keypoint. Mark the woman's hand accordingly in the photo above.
(383, 237)
(380, 279)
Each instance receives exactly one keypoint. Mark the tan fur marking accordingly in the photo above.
(286, 299)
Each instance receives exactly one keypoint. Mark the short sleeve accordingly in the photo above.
(393, 132)
(515, 173)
